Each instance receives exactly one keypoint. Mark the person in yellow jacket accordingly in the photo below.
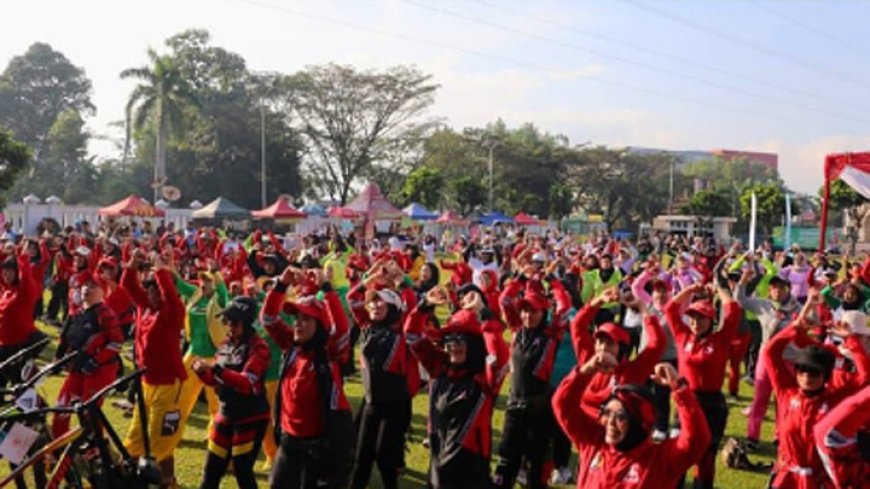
(204, 331)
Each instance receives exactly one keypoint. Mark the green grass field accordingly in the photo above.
(190, 455)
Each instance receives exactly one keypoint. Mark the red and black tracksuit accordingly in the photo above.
(315, 426)
(702, 361)
(94, 332)
(798, 464)
(390, 379)
(243, 414)
(528, 421)
(646, 466)
(461, 403)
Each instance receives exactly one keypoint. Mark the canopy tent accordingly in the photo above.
(852, 168)
(419, 213)
(450, 217)
(313, 210)
(131, 206)
(221, 208)
(523, 219)
(495, 217)
(373, 206)
(281, 209)
(342, 213)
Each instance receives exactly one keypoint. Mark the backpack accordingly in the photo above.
(735, 455)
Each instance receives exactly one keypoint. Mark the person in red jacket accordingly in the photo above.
(95, 334)
(243, 413)
(466, 376)
(19, 292)
(804, 397)
(702, 353)
(615, 340)
(314, 428)
(157, 347)
(615, 446)
(843, 441)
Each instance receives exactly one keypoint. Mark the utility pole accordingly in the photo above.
(490, 144)
(263, 154)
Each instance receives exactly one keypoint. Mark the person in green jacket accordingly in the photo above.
(597, 281)
(204, 331)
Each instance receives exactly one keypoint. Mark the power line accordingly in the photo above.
(802, 63)
(512, 61)
(810, 28)
(669, 56)
(640, 64)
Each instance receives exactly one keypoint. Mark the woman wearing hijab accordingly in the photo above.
(467, 366)
(703, 351)
(803, 397)
(313, 421)
(237, 376)
(615, 446)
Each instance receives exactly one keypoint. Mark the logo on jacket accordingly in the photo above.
(595, 464)
(633, 475)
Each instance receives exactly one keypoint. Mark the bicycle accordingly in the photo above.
(24, 398)
(85, 454)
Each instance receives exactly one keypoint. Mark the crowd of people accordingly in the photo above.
(599, 340)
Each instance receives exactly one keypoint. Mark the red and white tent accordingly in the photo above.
(131, 206)
(852, 168)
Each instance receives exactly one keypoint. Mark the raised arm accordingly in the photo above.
(780, 377)
(249, 380)
(695, 432)
(577, 425)
(836, 437)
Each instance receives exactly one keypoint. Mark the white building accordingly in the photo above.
(717, 227)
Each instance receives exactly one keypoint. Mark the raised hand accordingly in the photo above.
(665, 374)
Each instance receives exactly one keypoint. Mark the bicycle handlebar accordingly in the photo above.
(46, 370)
(24, 353)
(78, 407)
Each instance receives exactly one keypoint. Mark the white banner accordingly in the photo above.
(857, 179)
(752, 222)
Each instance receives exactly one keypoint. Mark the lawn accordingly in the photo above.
(191, 453)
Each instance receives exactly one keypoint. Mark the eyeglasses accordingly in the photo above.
(806, 369)
(618, 415)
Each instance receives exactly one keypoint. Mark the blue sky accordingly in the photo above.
(778, 76)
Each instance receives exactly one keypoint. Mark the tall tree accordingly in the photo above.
(35, 88)
(14, 156)
(160, 99)
(710, 202)
(351, 118)
(425, 186)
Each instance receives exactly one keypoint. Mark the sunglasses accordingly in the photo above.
(618, 415)
(453, 338)
(806, 369)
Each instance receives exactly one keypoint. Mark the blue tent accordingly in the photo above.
(313, 210)
(419, 213)
(495, 217)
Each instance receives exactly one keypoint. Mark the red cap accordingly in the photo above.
(535, 302)
(310, 307)
(614, 332)
(86, 277)
(108, 261)
(464, 321)
(702, 308)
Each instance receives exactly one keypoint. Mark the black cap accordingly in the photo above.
(777, 281)
(241, 309)
(816, 357)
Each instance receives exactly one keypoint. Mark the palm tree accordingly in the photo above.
(160, 98)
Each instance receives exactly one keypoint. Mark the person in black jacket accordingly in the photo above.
(243, 412)
(528, 421)
(385, 414)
